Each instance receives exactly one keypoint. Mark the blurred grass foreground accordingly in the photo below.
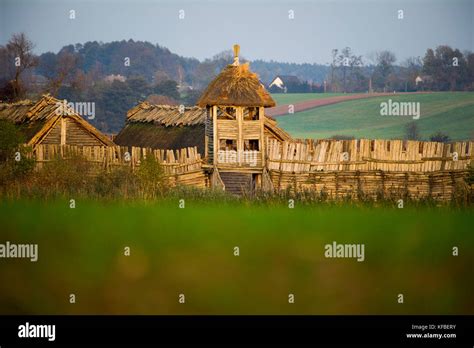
(192, 251)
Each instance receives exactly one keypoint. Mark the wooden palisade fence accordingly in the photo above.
(371, 168)
(367, 155)
(183, 166)
(343, 168)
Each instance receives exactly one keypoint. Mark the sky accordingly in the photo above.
(263, 28)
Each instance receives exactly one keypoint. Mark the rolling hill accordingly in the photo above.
(449, 112)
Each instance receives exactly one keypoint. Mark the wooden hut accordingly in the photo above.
(163, 127)
(52, 121)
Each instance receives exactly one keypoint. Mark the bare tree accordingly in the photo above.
(20, 49)
(412, 68)
(384, 68)
(65, 69)
(348, 64)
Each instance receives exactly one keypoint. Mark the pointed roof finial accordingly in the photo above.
(236, 54)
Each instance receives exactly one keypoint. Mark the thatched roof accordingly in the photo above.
(236, 85)
(163, 127)
(36, 119)
(166, 115)
(15, 112)
(159, 136)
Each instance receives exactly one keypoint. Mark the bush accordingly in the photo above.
(10, 140)
(151, 179)
(62, 177)
(119, 182)
(15, 161)
(440, 137)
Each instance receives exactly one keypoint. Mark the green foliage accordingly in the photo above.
(15, 159)
(448, 69)
(151, 178)
(119, 183)
(168, 88)
(63, 177)
(440, 137)
(10, 140)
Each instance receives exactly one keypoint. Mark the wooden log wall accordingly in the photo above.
(368, 155)
(371, 168)
(441, 185)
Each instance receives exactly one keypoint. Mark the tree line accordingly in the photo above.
(441, 69)
(117, 75)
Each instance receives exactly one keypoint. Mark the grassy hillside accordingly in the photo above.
(293, 98)
(451, 113)
(190, 251)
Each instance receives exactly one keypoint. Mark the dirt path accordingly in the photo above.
(281, 110)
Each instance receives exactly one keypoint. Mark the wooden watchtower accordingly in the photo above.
(235, 125)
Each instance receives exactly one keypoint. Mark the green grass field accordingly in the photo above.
(293, 98)
(451, 113)
(407, 251)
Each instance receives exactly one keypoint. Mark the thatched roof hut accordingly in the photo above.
(51, 121)
(236, 85)
(163, 127)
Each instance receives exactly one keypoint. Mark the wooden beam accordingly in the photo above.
(63, 130)
(215, 135)
(261, 117)
(240, 136)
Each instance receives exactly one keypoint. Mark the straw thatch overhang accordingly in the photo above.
(236, 85)
(163, 127)
(166, 115)
(37, 120)
(157, 136)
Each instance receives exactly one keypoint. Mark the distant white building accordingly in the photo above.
(423, 80)
(111, 78)
(283, 81)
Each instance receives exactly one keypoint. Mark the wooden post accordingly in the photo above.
(261, 117)
(215, 135)
(240, 136)
(63, 130)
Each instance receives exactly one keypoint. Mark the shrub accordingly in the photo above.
(440, 137)
(151, 179)
(15, 159)
(63, 177)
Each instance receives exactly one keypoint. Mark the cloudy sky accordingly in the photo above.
(262, 27)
